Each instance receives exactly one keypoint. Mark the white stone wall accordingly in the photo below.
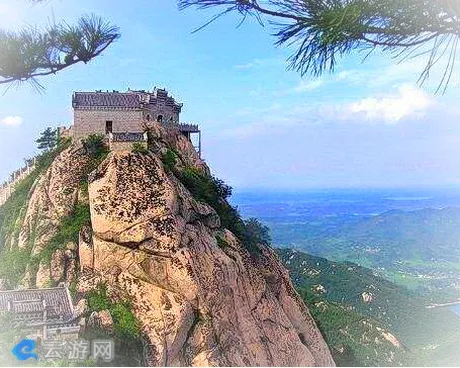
(6, 192)
(92, 121)
(169, 113)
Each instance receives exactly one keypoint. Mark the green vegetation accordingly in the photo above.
(139, 148)
(127, 329)
(98, 299)
(98, 151)
(340, 306)
(350, 336)
(14, 260)
(13, 264)
(71, 224)
(125, 323)
(129, 353)
(169, 159)
(214, 192)
(323, 31)
(94, 145)
(199, 318)
(73, 288)
(256, 232)
(417, 249)
(221, 242)
(48, 139)
(89, 362)
(10, 212)
(68, 231)
(205, 188)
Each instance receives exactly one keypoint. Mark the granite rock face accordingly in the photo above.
(102, 321)
(53, 196)
(150, 242)
(198, 303)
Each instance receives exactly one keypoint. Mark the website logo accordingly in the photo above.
(76, 350)
(25, 350)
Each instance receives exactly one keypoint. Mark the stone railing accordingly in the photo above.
(8, 187)
(125, 141)
(128, 137)
(182, 127)
(191, 128)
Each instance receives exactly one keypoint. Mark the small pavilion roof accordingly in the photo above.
(57, 301)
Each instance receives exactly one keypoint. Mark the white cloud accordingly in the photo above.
(405, 103)
(306, 86)
(12, 120)
(303, 86)
(408, 101)
(261, 63)
(390, 73)
(244, 66)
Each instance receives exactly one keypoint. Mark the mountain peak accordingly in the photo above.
(146, 231)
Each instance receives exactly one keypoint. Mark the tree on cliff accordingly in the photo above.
(323, 30)
(256, 232)
(31, 52)
(48, 139)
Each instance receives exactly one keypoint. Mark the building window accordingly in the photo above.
(108, 126)
(160, 118)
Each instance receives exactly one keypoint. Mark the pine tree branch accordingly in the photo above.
(323, 30)
(31, 53)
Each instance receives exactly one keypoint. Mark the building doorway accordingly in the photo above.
(108, 127)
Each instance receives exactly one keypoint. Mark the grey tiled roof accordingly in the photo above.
(106, 99)
(27, 306)
(130, 99)
(57, 301)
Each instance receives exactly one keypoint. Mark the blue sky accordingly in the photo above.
(367, 125)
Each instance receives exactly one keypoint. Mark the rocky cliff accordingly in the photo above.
(128, 223)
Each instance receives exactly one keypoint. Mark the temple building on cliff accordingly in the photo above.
(122, 113)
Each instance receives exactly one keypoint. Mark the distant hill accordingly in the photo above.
(368, 320)
(428, 235)
(419, 249)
